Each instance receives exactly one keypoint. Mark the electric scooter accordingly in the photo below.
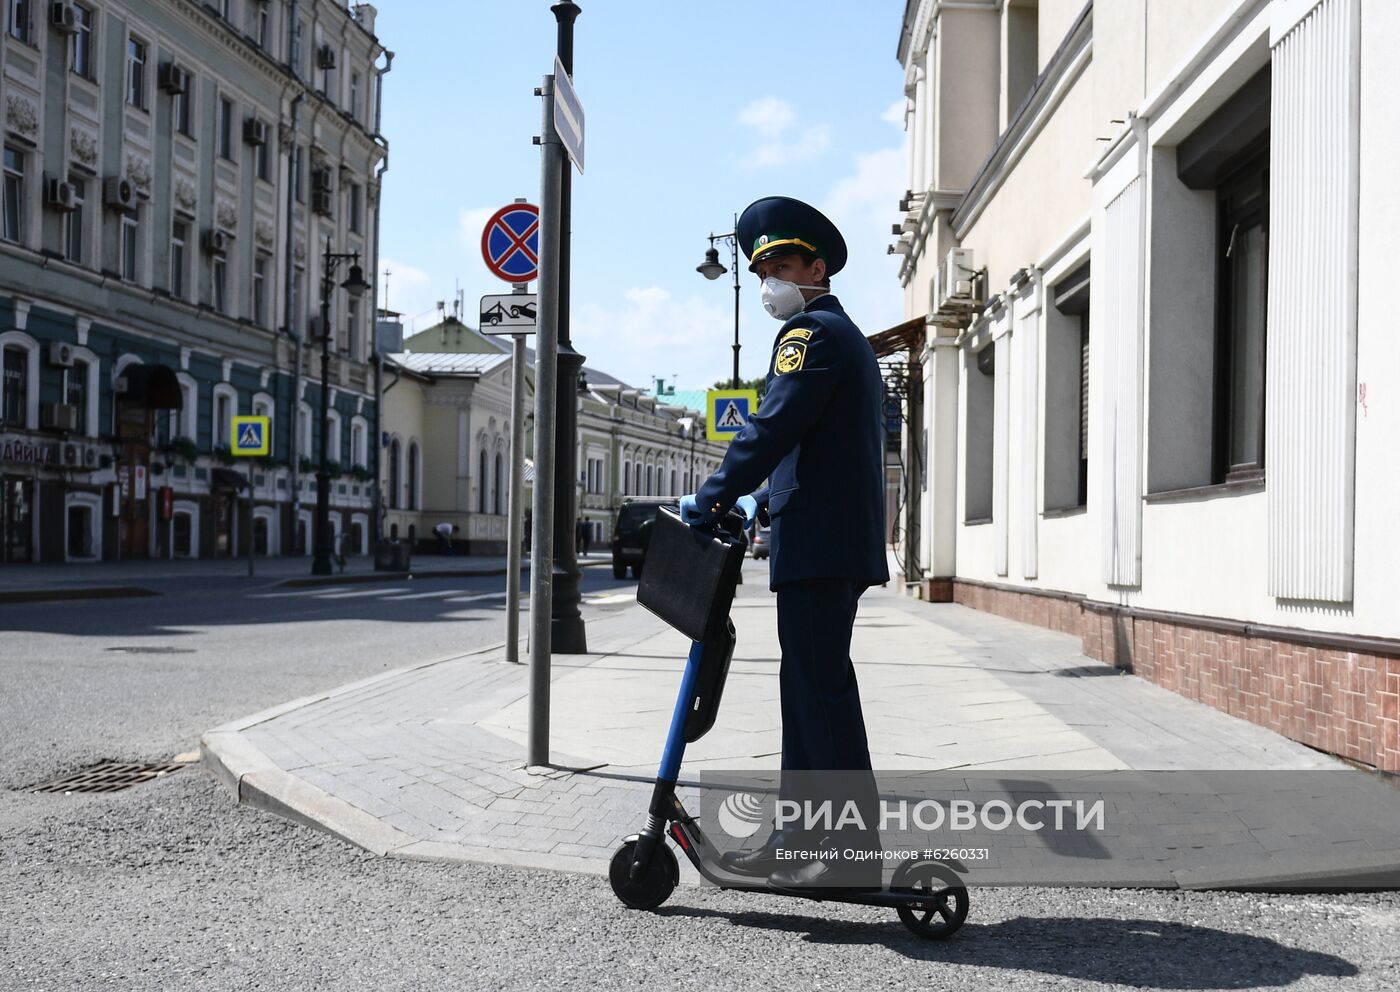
(928, 894)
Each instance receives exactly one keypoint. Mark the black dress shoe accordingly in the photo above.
(821, 875)
(758, 862)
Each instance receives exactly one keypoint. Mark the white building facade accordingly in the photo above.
(1149, 240)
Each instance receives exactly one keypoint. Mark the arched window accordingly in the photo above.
(481, 482)
(626, 478)
(648, 491)
(414, 497)
(673, 483)
(395, 453)
(500, 483)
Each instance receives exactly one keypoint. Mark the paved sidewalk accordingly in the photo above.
(32, 583)
(428, 762)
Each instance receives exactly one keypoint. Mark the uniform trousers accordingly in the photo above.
(826, 758)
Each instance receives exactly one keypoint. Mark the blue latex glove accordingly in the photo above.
(691, 512)
(748, 506)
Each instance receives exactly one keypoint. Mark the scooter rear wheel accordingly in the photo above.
(943, 912)
(656, 884)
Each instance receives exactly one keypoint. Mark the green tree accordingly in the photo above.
(757, 384)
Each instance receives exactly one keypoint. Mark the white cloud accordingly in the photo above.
(773, 121)
(894, 113)
(404, 287)
(647, 332)
(767, 115)
(864, 205)
(470, 224)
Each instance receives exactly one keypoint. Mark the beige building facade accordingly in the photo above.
(1148, 242)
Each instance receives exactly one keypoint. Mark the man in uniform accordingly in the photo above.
(819, 441)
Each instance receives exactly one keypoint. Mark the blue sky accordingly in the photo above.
(693, 111)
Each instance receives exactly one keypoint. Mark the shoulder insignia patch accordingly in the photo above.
(790, 356)
(803, 333)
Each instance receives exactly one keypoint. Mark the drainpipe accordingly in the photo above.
(289, 277)
(375, 446)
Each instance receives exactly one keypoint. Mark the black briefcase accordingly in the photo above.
(690, 574)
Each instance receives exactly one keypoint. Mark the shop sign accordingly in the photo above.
(19, 451)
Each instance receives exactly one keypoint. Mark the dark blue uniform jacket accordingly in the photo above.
(818, 438)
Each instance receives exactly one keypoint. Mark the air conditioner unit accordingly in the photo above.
(955, 283)
(174, 78)
(118, 193)
(63, 18)
(254, 131)
(59, 194)
(61, 354)
(91, 457)
(325, 57)
(215, 241)
(58, 417)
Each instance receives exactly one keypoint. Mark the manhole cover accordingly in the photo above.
(150, 649)
(111, 776)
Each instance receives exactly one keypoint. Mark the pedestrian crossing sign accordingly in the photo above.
(251, 436)
(728, 412)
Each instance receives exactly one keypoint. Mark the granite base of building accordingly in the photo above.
(1334, 692)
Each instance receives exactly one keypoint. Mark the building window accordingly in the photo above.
(80, 48)
(180, 110)
(219, 282)
(981, 377)
(413, 495)
(14, 195)
(355, 95)
(262, 156)
(263, 24)
(14, 397)
(226, 9)
(179, 237)
(181, 535)
(298, 289)
(136, 73)
(75, 394)
(395, 455)
(352, 328)
(499, 488)
(130, 246)
(226, 128)
(357, 445)
(356, 207)
(21, 14)
(1240, 322)
(626, 477)
(223, 419)
(1067, 393)
(260, 291)
(73, 223)
(481, 480)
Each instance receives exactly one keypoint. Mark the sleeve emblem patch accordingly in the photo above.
(790, 356)
(797, 332)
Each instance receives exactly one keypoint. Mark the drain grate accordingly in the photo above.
(150, 649)
(110, 776)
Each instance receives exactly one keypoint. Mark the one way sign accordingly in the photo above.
(728, 412)
(251, 436)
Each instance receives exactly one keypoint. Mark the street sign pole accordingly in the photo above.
(516, 510)
(546, 357)
(568, 634)
(248, 517)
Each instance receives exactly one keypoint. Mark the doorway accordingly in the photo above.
(16, 520)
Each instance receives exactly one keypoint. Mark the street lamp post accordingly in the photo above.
(355, 285)
(713, 268)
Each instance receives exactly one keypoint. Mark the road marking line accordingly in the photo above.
(435, 594)
(473, 599)
(358, 593)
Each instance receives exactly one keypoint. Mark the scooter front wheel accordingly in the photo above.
(943, 911)
(657, 882)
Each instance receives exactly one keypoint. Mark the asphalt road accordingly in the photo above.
(172, 886)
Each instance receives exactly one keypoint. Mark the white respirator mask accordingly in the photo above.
(783, 299)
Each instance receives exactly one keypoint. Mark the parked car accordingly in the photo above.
(758, 545)
(632, 533)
